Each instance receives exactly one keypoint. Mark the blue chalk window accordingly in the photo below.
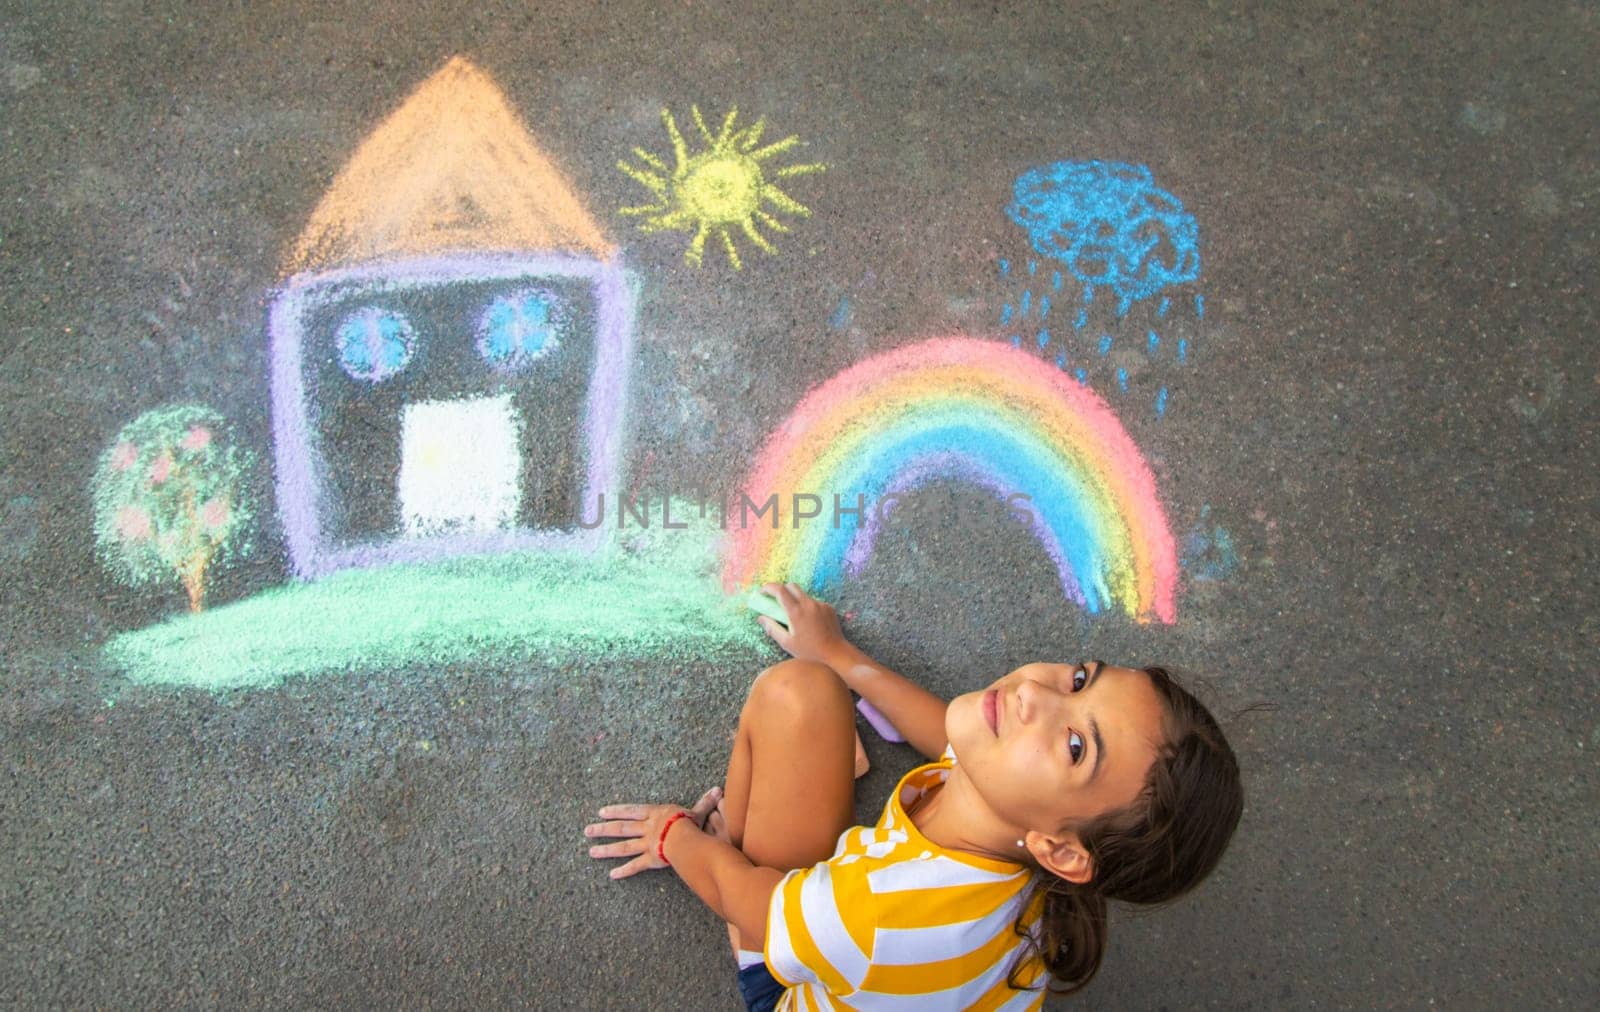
(374, 344)
(518, 329)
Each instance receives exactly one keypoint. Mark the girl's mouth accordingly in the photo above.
(991, 711)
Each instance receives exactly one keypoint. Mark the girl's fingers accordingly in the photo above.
(632, 828)
(644, 862)
(780, 591)
(624, 812)
(775, 629)
(707, 802)
(625, 848)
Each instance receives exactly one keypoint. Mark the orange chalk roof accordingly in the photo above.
(453, 169)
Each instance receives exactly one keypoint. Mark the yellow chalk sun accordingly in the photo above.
(719, 189)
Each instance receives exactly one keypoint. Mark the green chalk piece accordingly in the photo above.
(759, 600)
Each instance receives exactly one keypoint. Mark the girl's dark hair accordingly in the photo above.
(1152, 851)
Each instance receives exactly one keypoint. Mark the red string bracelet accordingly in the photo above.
(661, 842)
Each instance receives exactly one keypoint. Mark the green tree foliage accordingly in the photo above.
(167, 499)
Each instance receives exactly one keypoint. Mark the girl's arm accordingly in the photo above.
(914, 711)
(736, 890)
(814, 634)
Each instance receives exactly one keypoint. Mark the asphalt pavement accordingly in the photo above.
(1375, 453)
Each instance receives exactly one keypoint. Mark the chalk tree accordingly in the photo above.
(167, 499)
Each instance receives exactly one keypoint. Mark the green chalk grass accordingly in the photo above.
(653, 595)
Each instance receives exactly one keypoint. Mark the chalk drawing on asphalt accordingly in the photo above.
(1208, 551)
(981, 412)
(1124, 256)
(449, 353)
(651, 594)
(451, 301)
(168, 500)
(478, 317)
(722, 189)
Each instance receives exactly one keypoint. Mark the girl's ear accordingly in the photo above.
(1064, 856)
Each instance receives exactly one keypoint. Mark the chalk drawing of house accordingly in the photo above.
(450, 348)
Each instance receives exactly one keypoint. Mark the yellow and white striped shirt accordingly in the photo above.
(894, 921)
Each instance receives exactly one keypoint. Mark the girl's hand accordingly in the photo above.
(813, 633)
(642, 825)
(717, 824)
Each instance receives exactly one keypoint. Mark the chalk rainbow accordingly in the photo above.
(976, 410)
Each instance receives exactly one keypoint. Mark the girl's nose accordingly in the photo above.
(1035, 698)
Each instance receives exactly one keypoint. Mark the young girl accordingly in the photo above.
(1055, 789)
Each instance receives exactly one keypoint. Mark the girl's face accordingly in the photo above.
(1052, 745)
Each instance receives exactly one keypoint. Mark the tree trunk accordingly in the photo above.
(194, 577)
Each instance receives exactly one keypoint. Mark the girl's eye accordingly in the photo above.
(1080, 678)
(1075, 745)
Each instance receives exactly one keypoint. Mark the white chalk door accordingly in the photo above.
(460, 466)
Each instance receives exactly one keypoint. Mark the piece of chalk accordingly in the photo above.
(764, 603)
(879, 722)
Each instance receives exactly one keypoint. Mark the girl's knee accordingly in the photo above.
(798, 687)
